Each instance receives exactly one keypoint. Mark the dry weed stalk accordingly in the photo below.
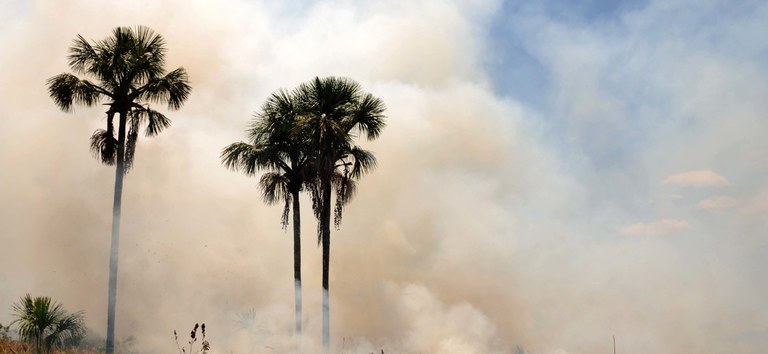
(205, 346)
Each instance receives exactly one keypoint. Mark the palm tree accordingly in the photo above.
(46, 324)
(334, 111)
(275, 148)
(128, 69)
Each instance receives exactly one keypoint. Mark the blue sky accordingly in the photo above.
(512, 61)
(551, 174)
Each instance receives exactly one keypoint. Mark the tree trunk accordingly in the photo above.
(297, 260)
(113, 253)
(325, 222)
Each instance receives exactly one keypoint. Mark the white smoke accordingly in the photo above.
(488, 225)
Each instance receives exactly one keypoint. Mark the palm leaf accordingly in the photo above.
(345, 187)
(251, 158)
(274, 187)
(82, 56)
(363, 161)
(67, 330)
(173, 89)
(154, 121)
(369, 116)
(104, 144)
(130, 144)
(240, 156)
(66, 89)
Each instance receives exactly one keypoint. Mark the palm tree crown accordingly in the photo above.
(334, 112)
(128, 72)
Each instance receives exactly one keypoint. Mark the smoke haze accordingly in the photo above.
(628, 198)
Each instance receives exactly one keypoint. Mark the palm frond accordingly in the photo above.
(345, 188)
(67, 89)
(154, 121)
(274, 187)
(335, 96)
(276, 120)
(173, 89)
(363, 161)
(282, 102)
(135, 56)
(239, 156)
(130, 144)
(104, 146)
(82, 56)
(313, 187)
(148, 53)
(68, 330)
(369, 116)
(249, 159)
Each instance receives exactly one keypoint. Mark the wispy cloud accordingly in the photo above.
(718, 202)
(697, 178)
(659, 227)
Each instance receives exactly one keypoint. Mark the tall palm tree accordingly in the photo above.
(274, 147)
(128, 72)
(46, 324)
(334, 111)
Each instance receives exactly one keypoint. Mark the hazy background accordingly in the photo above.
(551, 175)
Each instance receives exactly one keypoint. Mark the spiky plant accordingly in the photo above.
(44, 323)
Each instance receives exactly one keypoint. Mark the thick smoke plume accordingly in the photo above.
(489, 225)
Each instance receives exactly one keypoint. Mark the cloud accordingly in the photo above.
(697, 178)
(660, 227)
(718, 202)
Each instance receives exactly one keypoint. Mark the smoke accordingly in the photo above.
(479, 232)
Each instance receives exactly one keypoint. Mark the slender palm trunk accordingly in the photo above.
(325, 222)
(297, 260)
(113, 253)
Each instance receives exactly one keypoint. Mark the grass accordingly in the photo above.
(9, 346)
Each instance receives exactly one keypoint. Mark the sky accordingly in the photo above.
(552, 174)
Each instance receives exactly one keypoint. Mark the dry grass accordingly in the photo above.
(8, 346)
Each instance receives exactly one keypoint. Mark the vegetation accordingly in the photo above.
(128, 69)
(45, 324)
(274, 147)
(305, 139)
(205, 346)
(4, 332)
(302, 140)
(333, 112)
(16, 347)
